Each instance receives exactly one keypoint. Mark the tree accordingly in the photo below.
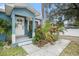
(69, 10)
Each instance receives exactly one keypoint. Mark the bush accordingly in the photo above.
(43, 35)
(6, 29)
(8, 41)
(47, 26)
(49, 30)
(1, 44)
(39, 38)
(49, 37)
(39, 35)
(49, 33)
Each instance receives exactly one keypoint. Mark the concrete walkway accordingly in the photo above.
(47, 50)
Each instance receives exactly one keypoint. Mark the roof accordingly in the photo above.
(10, 6)
(39, 17)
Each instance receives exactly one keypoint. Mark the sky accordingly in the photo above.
(2, 5)
(37, 6)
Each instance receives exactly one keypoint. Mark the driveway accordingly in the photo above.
(71, 32)
(47, 50)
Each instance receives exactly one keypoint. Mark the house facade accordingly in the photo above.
(23, 21)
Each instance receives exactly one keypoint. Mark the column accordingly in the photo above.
(13, 29)
(28, 25)
(33, 27)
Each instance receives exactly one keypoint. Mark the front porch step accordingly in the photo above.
(25, 43)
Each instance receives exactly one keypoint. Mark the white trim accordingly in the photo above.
(13, 39)
(33, 34)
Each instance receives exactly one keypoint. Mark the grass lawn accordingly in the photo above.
(71, 50)
(18, 51)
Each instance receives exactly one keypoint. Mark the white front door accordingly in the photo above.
(20, 26)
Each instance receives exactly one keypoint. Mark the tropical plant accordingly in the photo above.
(49, 33)
(46, 29)
(49, 37)
(5, 28)
(39, 38)
(43, 35)
(46, 26)
(39, 35)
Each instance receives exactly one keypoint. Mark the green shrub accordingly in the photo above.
(8, 41)
(6, 28)
(39, 35)
(47, 26)
(43, 35)
(49, 37)
(1, 44)
(47, 33)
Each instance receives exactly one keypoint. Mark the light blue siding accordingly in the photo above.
(4, 16)
(3, 37)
